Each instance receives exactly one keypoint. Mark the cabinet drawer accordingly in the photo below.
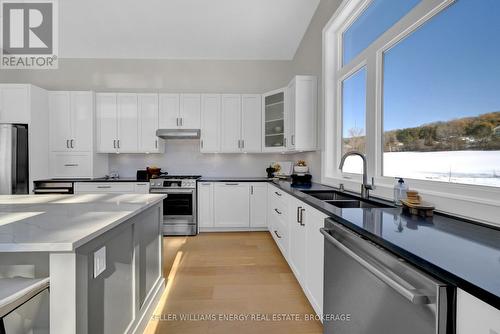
(141, 188)
(280, 235)
(104, 187)
(70, 165)
(277, 194)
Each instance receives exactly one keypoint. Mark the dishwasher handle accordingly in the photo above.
(410, 294)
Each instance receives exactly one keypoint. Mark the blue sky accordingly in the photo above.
(448, 68)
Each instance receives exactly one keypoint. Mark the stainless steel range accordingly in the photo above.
(179, 208)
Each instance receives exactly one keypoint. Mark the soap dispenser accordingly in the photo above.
(400, 189)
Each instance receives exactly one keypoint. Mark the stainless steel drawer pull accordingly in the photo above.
(382, 274)
(70, 165)
(278, 211)
(302, 217)
(298, 214)
(103, 187)
(205, 184)
(232, 184)
(71, 143)
(277, 235)
(277, 193)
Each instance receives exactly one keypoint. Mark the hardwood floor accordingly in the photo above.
(220, 274)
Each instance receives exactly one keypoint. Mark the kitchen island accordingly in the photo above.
(102, 253)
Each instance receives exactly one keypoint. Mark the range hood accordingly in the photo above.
(178, 133)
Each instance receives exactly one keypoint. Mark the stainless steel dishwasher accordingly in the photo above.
(369, 290)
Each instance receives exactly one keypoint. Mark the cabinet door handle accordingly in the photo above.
(177, 121)
(205, 184)
(118, 143)
(182, 121)
(251, 190)
(277, 235)
(70, 165)
(156, 143)
(239, 143)
(302, 217)
(277, 193)
(284, 141)
(201, 143)
(298, 214)
(232, 184)
(293, 139)
(242, 143)
(67, 143)
(71, 143)
(278, 211)
(114, 143)
(103, 187)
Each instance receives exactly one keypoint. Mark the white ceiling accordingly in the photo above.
(183, 29)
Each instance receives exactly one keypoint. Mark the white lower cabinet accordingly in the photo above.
(232, 204)
(314, 220)
(295, 226)
(114, 187)
(205, 204)
(297, 258)
(476, 316)
(258, 204)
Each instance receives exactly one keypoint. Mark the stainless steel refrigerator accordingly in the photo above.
(13, 159)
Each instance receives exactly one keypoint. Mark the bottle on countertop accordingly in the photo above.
(400, 189)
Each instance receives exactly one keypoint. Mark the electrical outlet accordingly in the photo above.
(99, 261)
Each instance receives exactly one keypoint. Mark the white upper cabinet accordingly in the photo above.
(14, 104)
(180, 111)
(82, 121)
(231, 123)
(290, 116)
(71, 121)
(169, 111)
(303, 114)
(241, 123)
(190, 111)
(251, 123)
(273, 117)
(210, 123)
(148, 123)
(127, 140)
(60, 121)
(107, 129)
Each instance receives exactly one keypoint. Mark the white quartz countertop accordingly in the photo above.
(62, 223)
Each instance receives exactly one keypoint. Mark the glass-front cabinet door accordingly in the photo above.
(274, 121)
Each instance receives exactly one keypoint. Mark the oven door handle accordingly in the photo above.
(171, 191)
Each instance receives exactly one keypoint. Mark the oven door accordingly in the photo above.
(179, 211)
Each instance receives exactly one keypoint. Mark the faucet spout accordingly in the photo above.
(365, 187)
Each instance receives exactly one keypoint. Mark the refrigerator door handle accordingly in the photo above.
(14, 160)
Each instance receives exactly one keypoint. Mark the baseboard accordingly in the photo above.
(233, 229)
(144, 316)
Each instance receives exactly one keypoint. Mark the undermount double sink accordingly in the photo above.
(342, 200)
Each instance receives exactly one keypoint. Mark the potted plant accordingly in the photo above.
(301, 167)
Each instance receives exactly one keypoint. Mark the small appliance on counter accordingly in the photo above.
(301, 180)
(142, 175)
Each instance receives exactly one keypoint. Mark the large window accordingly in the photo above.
(441, 98)
(379, 16)
(354, 119)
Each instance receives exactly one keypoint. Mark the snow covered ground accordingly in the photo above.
(468, 167)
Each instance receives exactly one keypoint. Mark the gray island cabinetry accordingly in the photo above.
(102, 253)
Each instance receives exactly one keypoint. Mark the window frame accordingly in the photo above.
(453, 198)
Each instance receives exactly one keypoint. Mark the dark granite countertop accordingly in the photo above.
(462, 253)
